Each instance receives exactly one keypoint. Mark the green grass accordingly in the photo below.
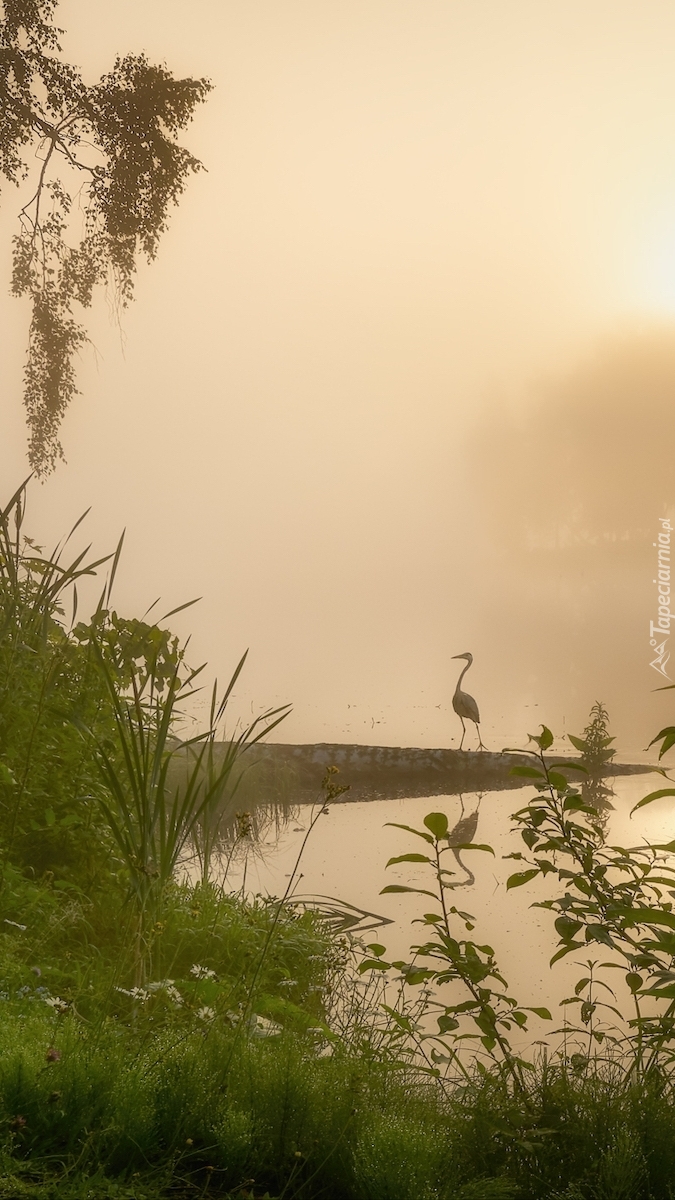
(125, 1110)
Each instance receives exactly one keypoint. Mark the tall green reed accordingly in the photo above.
(151, 817)
(218, 762)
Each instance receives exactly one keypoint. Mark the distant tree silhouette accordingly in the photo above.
(109, 146)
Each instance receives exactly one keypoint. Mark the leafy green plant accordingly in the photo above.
(594, 745)
(596, 757)
(47, 773)
(620, 898)
(454, 959)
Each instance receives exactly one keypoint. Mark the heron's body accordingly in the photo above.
(464, 705)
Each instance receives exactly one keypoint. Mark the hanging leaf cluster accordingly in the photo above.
(106, 168)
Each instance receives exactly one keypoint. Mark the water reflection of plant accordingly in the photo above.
(596, 755)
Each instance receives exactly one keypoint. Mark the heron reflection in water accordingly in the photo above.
(462, 833)
(464, 705)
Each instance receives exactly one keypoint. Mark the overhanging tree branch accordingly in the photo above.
(128, 122)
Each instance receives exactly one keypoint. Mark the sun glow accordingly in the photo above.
(656, 267)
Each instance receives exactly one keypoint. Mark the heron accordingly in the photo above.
(464, 705)
(464, 831)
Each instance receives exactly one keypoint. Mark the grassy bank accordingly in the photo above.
(127, 1110)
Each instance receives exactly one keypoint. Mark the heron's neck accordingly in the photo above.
(470, 877)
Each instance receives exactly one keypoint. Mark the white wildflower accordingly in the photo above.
(200, 972)
(136, 993)
(56, 1003)
(205, 1013)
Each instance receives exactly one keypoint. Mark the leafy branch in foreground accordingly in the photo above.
(618, 897)
(455, 960)
(106, 151)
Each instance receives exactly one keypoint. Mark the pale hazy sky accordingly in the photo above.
(401, 381)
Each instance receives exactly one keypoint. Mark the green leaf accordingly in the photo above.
(399, 887)
(647, 916)
(574, 804)
(372, 964)
(50, 818)
(376, 949)
(539, 1012)
(527, 772)
(473, 846)
(544, 739)
(416, 858)
(634, 981)
(446, 1024)
(651, 797)
(437, 823)
(567, 949)
(667, 734)
(578, 743)
(521, 877)
(409, 829)
(567, 927)
(598, 933)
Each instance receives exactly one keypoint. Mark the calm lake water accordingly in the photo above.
(347, 851)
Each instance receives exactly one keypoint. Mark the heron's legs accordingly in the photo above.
(480, 740)
(463, 731)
